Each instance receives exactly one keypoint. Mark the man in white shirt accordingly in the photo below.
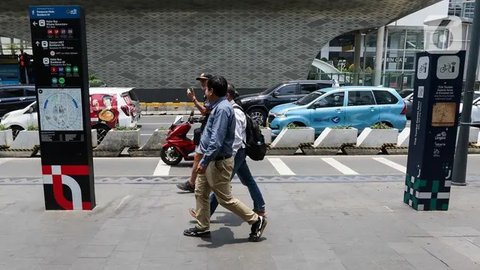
(240, 163)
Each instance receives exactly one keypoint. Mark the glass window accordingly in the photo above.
(30, 92)
(11, 93)
(385, 97)
(309, 98)
(270, 89)
(323, 85)
(289, 89)
(332, 100)
(307, 88)
(358, 98)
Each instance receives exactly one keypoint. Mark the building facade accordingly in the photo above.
(165, 44)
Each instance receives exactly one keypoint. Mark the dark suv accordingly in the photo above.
(14, 97)
(257, 105)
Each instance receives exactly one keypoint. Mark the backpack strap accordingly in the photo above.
(236, 106)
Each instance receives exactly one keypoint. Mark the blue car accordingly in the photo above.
(355, 106)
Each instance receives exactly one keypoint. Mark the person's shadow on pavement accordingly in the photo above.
(228, 218)
(221, 237)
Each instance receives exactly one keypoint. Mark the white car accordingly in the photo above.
(476, 113)
(21, 119)
(110, 107)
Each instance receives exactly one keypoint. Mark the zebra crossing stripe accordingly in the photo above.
(280, 166)
(391, 164)
(162, 169)
(339, 166)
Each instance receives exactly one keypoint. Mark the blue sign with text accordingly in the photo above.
(55, 12)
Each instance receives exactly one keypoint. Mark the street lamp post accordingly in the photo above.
(461, 152)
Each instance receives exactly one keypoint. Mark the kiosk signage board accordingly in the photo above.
(437, 94)
(59, 50)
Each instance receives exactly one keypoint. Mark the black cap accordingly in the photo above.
(204, 76)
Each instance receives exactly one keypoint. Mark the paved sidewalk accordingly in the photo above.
(356, 225)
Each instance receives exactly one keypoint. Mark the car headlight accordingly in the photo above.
(5, 116)
(280, 115)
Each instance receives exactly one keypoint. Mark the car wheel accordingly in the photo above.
(170, 155)
(258, 116)
(15, 131)
(101, 132)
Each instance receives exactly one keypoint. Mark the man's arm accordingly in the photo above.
(198, 105)
(218, 134)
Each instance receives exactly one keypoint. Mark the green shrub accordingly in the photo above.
(94, 81)
(340, 127)
(32, 128)
(122, 128)
(380, 126)
(294, 126)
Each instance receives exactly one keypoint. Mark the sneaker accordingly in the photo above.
(186, 187)
(192, 212)
(257, 229)
(196, 232)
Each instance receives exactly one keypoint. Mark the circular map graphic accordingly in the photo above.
(60, 109)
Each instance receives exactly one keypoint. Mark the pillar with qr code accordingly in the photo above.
(59, 50)
(437, 94)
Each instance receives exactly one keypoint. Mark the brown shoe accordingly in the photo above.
(186, 187)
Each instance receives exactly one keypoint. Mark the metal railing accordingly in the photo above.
(397, 80)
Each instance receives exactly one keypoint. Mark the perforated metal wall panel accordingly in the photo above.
(254, 44)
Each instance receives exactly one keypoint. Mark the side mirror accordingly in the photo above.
(274, 94)
(31, 110)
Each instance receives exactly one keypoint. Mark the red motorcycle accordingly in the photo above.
(178, 145)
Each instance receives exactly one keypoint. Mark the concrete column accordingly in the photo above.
(356, 62)
(378, 56)
(325, 52)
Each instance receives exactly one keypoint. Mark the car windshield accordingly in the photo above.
(309, 98)
(270, 89)
(405, 93)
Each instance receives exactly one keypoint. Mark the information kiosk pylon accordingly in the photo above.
(437, 90)
(61, 69)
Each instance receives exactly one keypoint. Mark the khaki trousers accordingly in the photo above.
(217, 179)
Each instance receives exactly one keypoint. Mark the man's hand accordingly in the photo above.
(201, 169)
(191, 94)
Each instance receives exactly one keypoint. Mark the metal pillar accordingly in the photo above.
(461, 153)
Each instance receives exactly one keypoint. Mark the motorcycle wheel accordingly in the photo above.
(170, 155)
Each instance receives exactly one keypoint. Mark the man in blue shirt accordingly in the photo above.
(215, 167)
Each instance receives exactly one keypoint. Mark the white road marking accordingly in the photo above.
(280, 166)
(162, 169)
(4, 160)
(391, 164)
(339, 166)
(124, 199)
(388, 208)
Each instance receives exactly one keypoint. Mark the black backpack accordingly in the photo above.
(255, 144)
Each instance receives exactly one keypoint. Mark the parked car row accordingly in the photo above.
(258, 105)
(324, 103)
(354, 106)
(109, 107)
